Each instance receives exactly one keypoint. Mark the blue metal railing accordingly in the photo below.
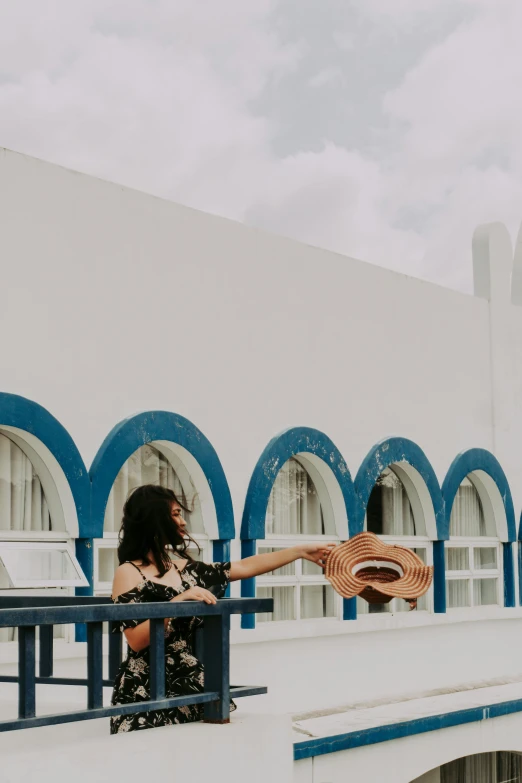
(27, 614)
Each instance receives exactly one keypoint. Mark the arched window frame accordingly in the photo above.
(411, 466)
(488, 478)
(180, 442)
(470, 573)
(299, 580)
(327, 469)
(65, 483)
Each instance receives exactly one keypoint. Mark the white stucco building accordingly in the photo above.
(288, 394)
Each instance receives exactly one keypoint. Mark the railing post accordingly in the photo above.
(26, 671)
(46, 650)
(94, 665)
(216, 663)
(115, 649)
(157, 659)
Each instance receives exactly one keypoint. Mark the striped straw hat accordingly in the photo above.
(377, 572)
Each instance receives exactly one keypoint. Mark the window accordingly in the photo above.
(36, 554)
(296, 512)
(390, 515)
(23, 504)
(148, 465)
(36, 564)
(473, 553)
(499, 767)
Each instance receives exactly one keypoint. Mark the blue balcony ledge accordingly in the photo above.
(358, 727)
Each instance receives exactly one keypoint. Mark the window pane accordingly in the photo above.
(457, 593)
(149, 466)
(317, 601)
(485, 592)
(398, 605)
(31, 566)
(196, 554)
(389, 511)
(192, 550)
(467, 514)
(287, 570)
(284, 603)
(294, 507)
(23, 505)
(311, 569)
(485, 557)
(363, 607)
(457, 559)
(107, 564)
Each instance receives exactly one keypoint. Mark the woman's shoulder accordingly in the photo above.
(126, 578)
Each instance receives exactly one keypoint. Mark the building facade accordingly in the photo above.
(287, 394)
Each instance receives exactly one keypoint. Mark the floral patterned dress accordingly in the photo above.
(183, 671)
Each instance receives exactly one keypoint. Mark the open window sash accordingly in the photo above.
(35, 564)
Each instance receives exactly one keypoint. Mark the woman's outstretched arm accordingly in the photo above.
(262, 564)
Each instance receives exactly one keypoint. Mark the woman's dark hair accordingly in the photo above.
(147, 528)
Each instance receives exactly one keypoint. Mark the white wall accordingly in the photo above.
(253, 748)
(123, 302)
(317, 673)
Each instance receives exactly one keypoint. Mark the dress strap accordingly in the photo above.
(137, 568)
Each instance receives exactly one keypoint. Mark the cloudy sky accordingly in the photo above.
(381, 129)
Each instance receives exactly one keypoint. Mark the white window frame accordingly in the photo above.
(474, 574)
(407, 542)
(61, 546)
(109, 541)
(298, 579)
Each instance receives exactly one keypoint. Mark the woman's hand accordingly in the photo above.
(316, 553)
(196, 594)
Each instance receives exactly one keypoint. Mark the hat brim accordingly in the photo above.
(413, 576)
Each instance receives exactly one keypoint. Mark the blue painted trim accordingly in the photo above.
(349, 608)
(388, 452)
(27, 415)
(519, 547)
(248, 586)
(509, 575)
(221, 551)
(221, 554)
(287, 444)
(464, 464)
(85, 554)
(439, 578)
(127, 436)
(358, 739)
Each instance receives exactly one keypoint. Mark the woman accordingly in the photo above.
(152, 524)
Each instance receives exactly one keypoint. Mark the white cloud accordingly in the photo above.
(325, 76)
(459, 153)
(189, 101)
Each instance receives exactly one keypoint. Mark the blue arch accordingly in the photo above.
(280, 449)
(388, 452)
(464, 464)
(136, 431)
(16, 411)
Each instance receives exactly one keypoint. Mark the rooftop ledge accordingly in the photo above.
(345, 728)
(273, 631)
